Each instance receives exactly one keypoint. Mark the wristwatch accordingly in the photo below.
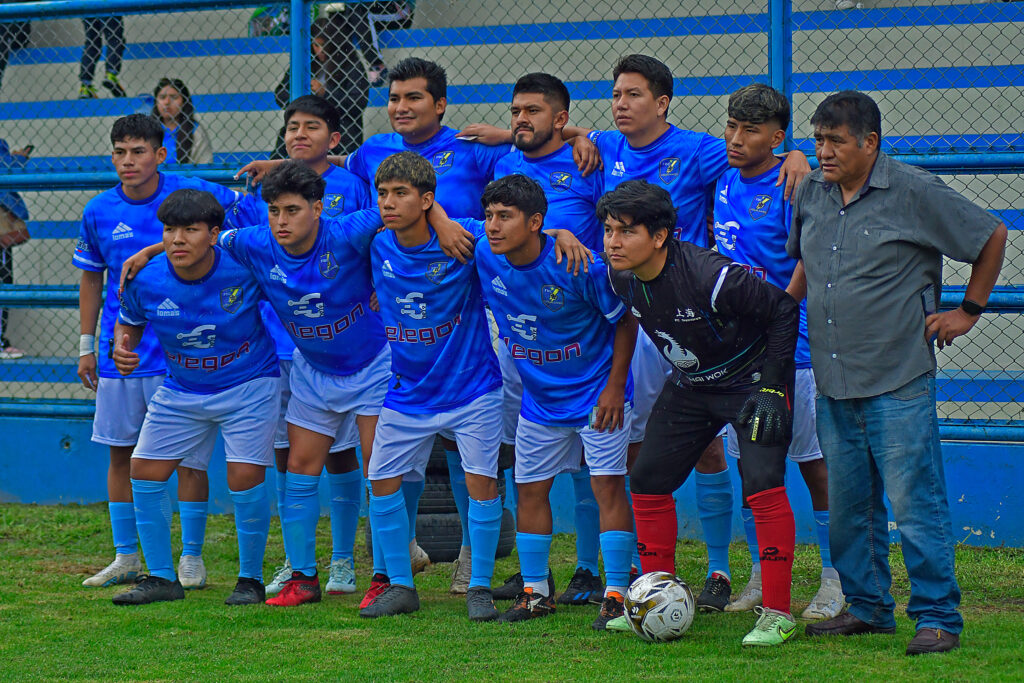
(971, 307)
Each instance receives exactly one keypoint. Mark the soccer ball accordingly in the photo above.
(659, 607)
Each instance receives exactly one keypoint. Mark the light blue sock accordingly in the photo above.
(391, 532)
(750, 531)
(153, 526)
(533, 560)
(252, 524)
(617, 548)
(345, 490)
(821, 523)
(282, 486)
(193, 525)
(457, 476)
(484, 529)
(588, 522)
(122, 525)
(378, 549)
(298, 521)
(635, 560)
(411, 491)
(714, 507)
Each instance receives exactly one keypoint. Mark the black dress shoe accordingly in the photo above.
(933, 640)
(845, 625)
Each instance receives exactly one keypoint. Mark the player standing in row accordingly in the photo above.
(115, 225)
(730, 337)
(571, 341)
(311, 130)
(222, 374)
(752, 222)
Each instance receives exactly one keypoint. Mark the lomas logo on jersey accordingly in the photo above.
(122, 231)
(328, 266)
(443, 161)
(168, 309)
(386, 269)
(436, 272)
(619, 169)
(334, 204)
(560, 181)
(668, 169)
(276, 274)
(498, 286)
(552, 297)
(231, 298)
(759, 206)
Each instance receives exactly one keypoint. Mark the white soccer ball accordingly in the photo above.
(659, 607)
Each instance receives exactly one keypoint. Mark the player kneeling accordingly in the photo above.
(222, 373)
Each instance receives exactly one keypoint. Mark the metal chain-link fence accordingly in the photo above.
(948, 76)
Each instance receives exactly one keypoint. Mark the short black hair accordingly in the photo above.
(410, 167)
(657, 75)
(137, 127)
(414, 67)
(759, 103)
(850, 108)
(293, 177)
(188, 206)
(646, 204)
(516, 190)
(317, 106)
(551, 87)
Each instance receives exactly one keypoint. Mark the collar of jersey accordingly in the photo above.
(426, 143)
(546, 157)
(213, 269)
(762, 177)
(417, 249)
(548, 245)
(139, 202)
(656, 142)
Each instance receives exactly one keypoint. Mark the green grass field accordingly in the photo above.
(53, 628)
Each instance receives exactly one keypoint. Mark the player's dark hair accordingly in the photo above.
(644, 203)
(409, 167)
(317, 106)
(414, 67)
(137, 127)
(657, 75)
(516, 190)
(852, 109)
(188, 206)
(552, 88)
(185, 120)
(759, 103)
(293, 177)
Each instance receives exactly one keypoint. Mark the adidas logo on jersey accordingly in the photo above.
(386, 269)
(619, 169)
(123, 232)
(498, 286)
(168, 309)
(636, 313)
(723, 195)
(277, 274)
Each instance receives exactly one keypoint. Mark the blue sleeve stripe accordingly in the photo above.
(616, 314)
(128, 321)
(86, 264)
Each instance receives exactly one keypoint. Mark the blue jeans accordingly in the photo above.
(890, 443)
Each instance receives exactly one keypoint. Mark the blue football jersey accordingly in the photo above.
(463, 168)
(559, 329)
(572, 199)
(751, 227)
(115, 227)
(210, 329)
(433, 313)
(322, 296)
(685, 163)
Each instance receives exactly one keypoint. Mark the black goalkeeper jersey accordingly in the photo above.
(718, 325)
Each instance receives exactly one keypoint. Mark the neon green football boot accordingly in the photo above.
(771, 629)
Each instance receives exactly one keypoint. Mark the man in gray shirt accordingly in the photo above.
(871, 233)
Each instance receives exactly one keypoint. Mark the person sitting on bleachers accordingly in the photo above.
(184, 139)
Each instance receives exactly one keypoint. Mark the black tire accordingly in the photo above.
(507, 538)
(441, 536)
(437, 496)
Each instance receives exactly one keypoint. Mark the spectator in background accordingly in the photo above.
(13, 231)
(98, 29)
(13, 36)
(184, 139)
(337, 76)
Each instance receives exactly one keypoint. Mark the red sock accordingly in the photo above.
(776, 537)
(656, 528)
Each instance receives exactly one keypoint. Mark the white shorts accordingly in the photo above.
(543, 452)
(347, 436)
(511, 394)
(804, 446)
(321, 403)
(650, 372)
(403, 441)
(121, 408)
(183, 426)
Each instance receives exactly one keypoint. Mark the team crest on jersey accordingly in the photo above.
(436, 272)
(759, 206)
(231, 298)
(328, 266)
(668, 169)
(560, 181)
(443, 161)
(552, 297)
(334, 204)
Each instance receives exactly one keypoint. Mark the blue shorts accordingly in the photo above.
(804, 446)
(347, 436)
(543, 452)
(403, 441)
(650, 371)
(183, 426)
(121, 408)
(321, 403)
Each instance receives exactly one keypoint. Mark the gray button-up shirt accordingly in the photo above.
(873, 267)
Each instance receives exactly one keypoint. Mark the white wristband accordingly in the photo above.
(86, 345)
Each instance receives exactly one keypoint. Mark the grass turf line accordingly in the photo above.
(53, 627)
